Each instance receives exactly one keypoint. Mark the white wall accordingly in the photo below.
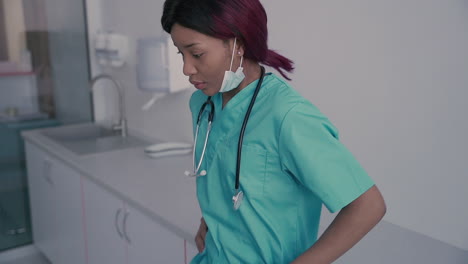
(169, 119)
(392, 76)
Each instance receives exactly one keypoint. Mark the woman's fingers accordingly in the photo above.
(200, 238)
(203, 230)
(200, 243)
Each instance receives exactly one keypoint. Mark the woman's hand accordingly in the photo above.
(350, 225)
(201, 234)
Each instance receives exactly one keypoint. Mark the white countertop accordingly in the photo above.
(156, 187)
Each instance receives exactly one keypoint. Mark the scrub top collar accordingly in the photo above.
(242, 96)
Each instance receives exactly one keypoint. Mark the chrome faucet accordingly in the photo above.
(122, 125)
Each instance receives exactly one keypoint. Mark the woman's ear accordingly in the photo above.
(240, 50)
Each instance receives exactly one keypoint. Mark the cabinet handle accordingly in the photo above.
(46, 171)
(116, 222)
(49, 180)
(45, 167)
(125, 227)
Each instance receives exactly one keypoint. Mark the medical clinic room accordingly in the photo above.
(233, 132)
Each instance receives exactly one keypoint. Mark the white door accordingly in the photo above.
(69, 214)
(104, 216)
(150, 242)
(41, 195)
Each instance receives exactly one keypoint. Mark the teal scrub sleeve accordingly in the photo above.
(311, 152)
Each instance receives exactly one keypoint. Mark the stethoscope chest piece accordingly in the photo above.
(237, 199)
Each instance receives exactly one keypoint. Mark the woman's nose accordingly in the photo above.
(189, 68)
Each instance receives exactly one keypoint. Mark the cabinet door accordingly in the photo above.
(150, 242)
(69, 214)
(104, 216)
(41, 192)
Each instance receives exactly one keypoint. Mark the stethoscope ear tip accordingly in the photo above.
(203, 173)
(187, 173)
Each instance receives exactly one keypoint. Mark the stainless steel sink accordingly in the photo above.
(81, 132)
(89, 138)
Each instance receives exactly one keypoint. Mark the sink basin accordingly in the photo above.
(79, 132)
(90, 138)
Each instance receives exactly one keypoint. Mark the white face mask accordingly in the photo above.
(232, 79)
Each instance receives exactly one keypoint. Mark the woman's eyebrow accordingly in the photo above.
(191, 45)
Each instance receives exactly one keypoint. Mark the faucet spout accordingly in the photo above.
(122, 125)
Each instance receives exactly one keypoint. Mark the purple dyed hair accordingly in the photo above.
(225, 19)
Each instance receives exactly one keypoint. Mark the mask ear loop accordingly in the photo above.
(233, 51)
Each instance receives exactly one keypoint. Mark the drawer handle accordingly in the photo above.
(125, 227)
(116, 222)
(46, 171)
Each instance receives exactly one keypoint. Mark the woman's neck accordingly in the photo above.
(252, 72)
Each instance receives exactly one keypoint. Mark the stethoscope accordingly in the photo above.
(239, 195)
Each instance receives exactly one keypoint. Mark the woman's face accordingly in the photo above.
(205, 58)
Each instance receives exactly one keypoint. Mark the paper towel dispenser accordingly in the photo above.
(159, 68)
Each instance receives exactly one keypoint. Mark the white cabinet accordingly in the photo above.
(76, 221)
(118, 233)
(41, 190)
(104, 216)
(56, 212)
(68, 215)
(149, 242)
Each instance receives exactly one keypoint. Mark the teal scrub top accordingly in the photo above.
(292, 163)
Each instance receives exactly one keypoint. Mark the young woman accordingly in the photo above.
(266, 159)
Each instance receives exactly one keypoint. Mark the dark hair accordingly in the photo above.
(225, 19)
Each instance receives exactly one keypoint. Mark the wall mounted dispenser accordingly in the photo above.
(111, 49)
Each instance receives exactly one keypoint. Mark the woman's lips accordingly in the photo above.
(199, 85)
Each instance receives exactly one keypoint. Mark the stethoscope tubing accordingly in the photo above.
(197, 168)
(208, 130)
(244, 125)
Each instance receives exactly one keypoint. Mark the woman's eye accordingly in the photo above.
(197, 55)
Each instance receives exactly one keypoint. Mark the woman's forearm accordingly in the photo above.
(351, 224)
